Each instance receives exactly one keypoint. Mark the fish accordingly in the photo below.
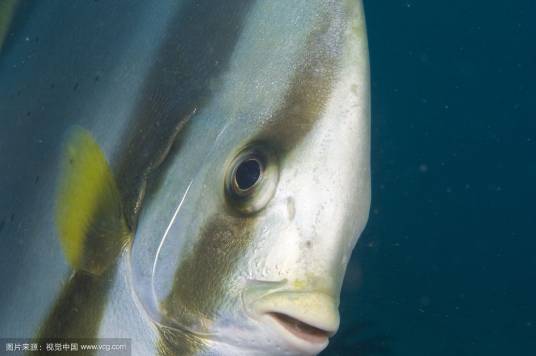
(7, 13)
(219, 216)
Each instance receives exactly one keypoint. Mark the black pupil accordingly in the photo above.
(247, 174)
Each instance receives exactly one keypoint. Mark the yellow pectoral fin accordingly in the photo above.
(89, 216)
(7, 12)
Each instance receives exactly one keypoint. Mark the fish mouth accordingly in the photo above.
(304, 321)
(298, 328)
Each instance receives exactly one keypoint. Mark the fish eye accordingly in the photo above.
(247, 174)
(251, 179)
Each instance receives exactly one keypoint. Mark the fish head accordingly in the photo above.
(246, 238)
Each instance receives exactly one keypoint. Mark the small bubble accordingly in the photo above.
(423, 168)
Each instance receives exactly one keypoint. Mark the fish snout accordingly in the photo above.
(304, 320)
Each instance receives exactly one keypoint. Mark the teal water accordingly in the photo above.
(447, 263)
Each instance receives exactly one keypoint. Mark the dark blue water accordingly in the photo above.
(447, 264)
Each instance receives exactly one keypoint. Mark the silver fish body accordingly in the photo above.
(243, 170)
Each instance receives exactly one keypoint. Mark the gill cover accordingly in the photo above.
(163, 236)
(89, 217)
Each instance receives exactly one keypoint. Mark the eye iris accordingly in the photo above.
(247, 174)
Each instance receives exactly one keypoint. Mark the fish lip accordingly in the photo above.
(300, 335)
(303, 320)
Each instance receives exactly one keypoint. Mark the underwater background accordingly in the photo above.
(447, 264)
